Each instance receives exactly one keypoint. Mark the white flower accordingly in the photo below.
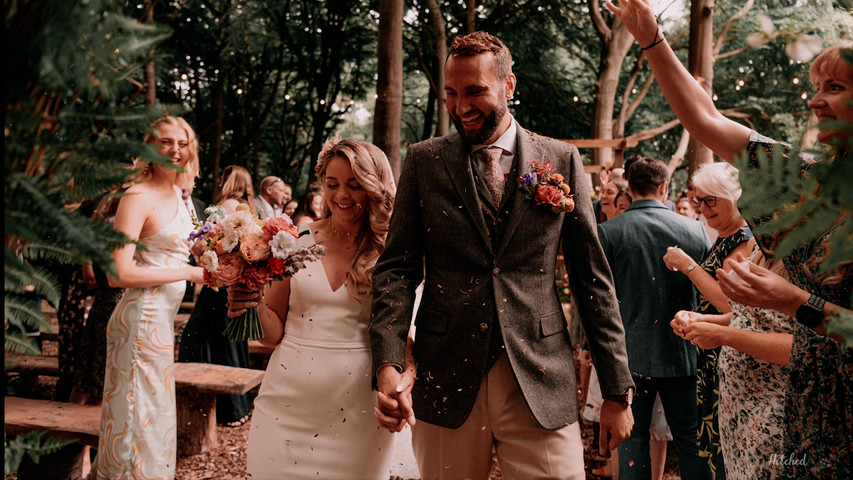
(214, 213)
(241, 223)
(229, 241)
(282, 245)
(210, 261)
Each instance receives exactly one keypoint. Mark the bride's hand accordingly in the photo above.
(240, 299)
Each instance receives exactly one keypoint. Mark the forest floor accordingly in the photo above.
(228, 460)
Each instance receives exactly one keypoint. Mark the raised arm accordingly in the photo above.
(690, 102)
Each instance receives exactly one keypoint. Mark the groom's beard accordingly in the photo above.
(479, 136)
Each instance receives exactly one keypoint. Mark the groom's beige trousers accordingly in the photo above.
(501, 417)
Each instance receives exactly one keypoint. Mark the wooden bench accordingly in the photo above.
(62, 420)
(196, 385)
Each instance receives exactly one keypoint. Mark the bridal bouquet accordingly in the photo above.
(240, 248)
(545, 187)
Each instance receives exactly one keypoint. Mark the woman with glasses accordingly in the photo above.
(815, 425)
(716, 192)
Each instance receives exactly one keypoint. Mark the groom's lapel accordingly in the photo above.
(525, 152)
(455, 158)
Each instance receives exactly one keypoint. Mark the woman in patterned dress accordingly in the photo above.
(818, 429)
(716, 192)
(138, 419)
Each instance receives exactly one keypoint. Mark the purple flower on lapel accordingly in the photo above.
(545, 187)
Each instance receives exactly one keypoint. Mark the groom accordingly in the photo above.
(493, 352)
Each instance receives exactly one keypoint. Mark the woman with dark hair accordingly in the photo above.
(202, 340)
(309, 209)
(314, 415)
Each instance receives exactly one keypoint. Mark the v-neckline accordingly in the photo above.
(323, 265)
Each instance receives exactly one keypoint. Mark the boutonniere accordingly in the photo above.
(545, 187)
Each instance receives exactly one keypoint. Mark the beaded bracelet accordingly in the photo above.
(658, 40)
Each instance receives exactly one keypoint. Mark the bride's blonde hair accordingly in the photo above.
(373, 172)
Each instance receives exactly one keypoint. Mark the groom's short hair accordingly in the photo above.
(482, 42)
(645, 174)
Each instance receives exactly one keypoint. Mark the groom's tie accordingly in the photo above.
(494, 173)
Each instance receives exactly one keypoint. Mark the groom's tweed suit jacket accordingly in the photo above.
(474, 284)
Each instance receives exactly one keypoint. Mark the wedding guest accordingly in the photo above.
(684, 206)
(492, 347)
(273, 194)
(202, 340)
(309, 209)
(816, 426)
(716, 192)
(138, 419)
(290, 208)
(649, 295)
(314, 412)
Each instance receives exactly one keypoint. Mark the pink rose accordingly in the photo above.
(548, 194)
(277, 224)
(230, 269)
(254, 248)
(256, 277)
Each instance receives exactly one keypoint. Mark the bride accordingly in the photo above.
(314, 414)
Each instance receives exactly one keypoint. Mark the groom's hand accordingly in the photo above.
(394, 399)
(617, 420)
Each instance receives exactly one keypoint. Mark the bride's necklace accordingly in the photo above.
(345, 235)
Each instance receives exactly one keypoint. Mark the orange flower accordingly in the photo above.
(254, 248)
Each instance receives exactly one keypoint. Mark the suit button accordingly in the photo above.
(484, 326)
(496, 271)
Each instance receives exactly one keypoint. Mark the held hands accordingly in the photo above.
(240, 299)
(759, 287)
(394, 397)
(676, 260)
(639, 19)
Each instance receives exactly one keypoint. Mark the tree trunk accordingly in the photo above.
(150, 77)
(612, 55)
(700, 62)
(438, 31)
(470, 16)
(389, 88)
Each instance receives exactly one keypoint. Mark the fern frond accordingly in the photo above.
(16, 342)
(24, 311)
(19, 277)
(33, 444)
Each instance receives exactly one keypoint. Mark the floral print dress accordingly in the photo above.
(818, 433)
(706, 364)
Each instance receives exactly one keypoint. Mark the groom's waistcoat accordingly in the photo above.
(489, 282)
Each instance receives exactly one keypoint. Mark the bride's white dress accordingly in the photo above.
(313, 415)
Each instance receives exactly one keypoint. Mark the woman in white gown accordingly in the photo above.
(314, 414)
(138, 419)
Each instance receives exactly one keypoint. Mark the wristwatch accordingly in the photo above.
(625, 399)
(810, 313)
(691, 267)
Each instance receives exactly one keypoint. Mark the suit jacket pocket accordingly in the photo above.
(552, 323)
(431, 321)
